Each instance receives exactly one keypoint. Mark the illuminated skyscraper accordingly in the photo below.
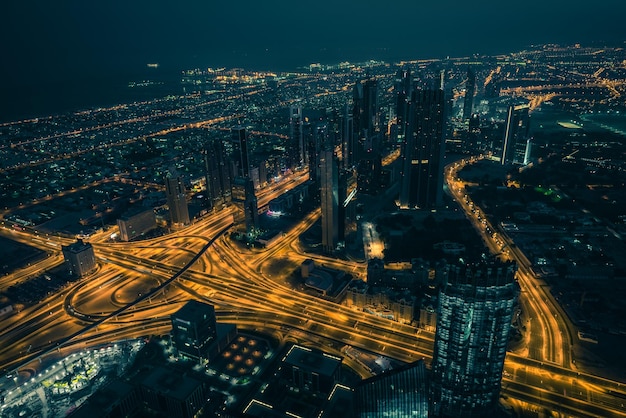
(329, 200)
(468, 101)
(515, 134)
(397, 393)
(194, 329)
(365, 117)
(295, 145)
(473, 324)
(177, 200)
(79, 258)
(217, 175)
(403, 88)
(239, 157)
(422, 171)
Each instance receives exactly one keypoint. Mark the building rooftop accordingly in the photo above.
(170, 383)
(312, 360)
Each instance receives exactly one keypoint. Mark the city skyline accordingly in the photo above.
(255, 242)
(68, 50)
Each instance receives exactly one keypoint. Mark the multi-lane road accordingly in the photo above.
(140, 284)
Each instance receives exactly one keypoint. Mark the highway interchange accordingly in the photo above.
(139, 284)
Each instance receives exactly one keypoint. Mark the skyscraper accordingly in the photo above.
(470, 87)
(79, 258)
(422, 170)
(240, 157)
(176, 200)
(365, 117)
(403, 88)
(194, 329)
(397, 393)
(516, 134)
(329, 200)
(217, 176)
(295, 144)
(473, 324)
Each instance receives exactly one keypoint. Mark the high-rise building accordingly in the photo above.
(217, 174)
(194, 329)
(474, 315)
(177, 200)
(470, 87)
(79, 258)
(329, 200)
(135, 223)
(422, 169)
(365, 117)
(397, 393)
(240, 152)
(403, 88)
(516, 134)
(244, 197)
(295, 145)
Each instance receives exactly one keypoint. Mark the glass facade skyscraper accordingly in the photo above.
(473, 324)
(422, 170)
(396, 393)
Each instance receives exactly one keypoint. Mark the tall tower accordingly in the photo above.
(365, 117)
(295, 146)
(403, 99)
(422, 171)
(329, 200)
(398, 393)
(470, 87)
(516, 134)
(79, 258)
(239, 156)
(194, 329)
(177, 200)
(217, 175)
(473, 323)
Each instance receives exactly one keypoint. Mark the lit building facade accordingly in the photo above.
(474, 315)
(79, 258)
(516, 133)
(240, 153)
(468, 100)
(329, 200)
(135, 224)
(295, 146)
(422, 170)
(177, 200)
(194, 329)
(397, 393)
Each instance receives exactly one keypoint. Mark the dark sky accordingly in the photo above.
(51, 40)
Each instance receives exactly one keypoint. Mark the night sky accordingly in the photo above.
(48, 42)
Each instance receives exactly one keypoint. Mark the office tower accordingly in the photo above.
(177, 200)
(515, 134)
(244, 197)
(217, 173)
(348, 142)
(529, 151)
(316, 138)
(194, 329)
(79, 258)
(329, 200)
(397, 393)
(135, 223)
(295, 142)
(403, 88)
(473, 323)
(239, 156)
(422, 169)
(470, 87)
(365, 117)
